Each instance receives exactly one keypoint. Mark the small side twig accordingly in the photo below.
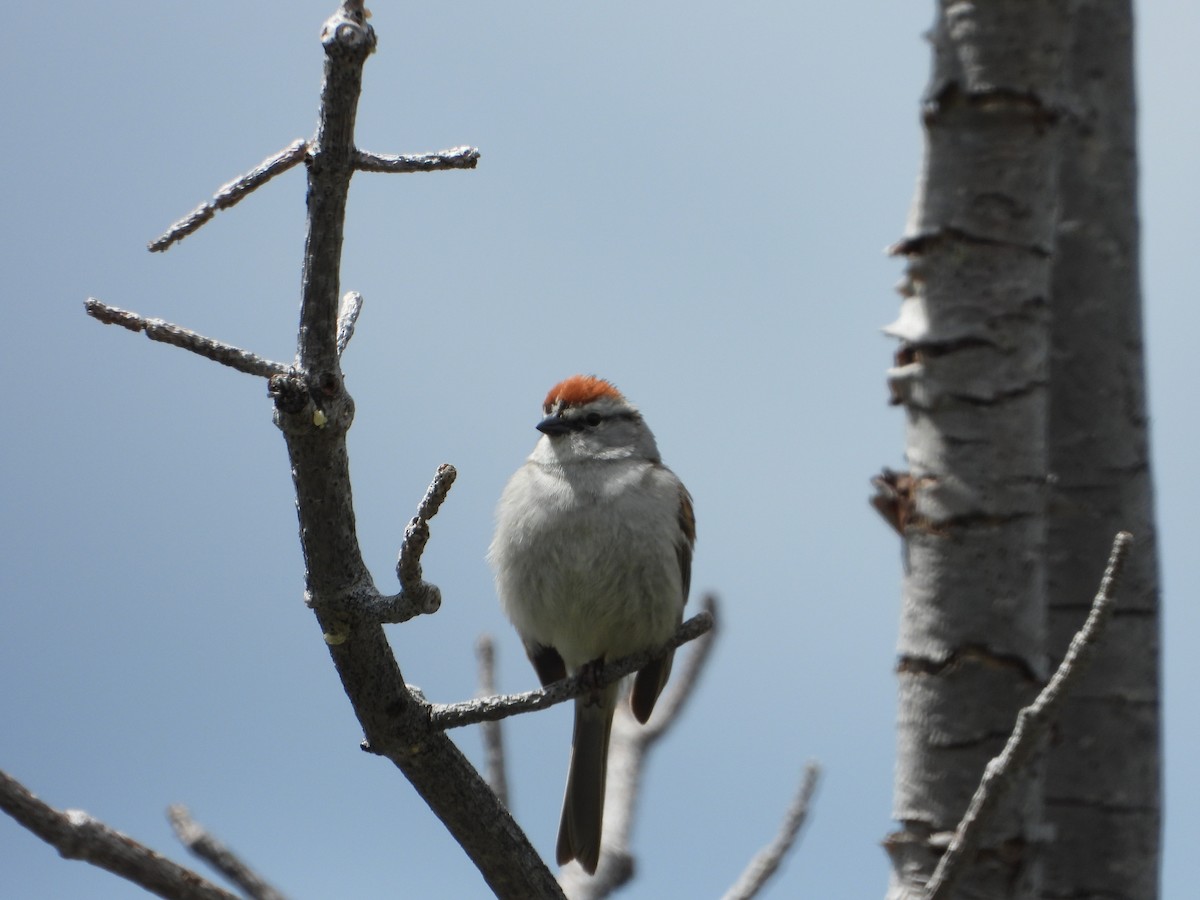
(767, 861)
(501, 706)
(1032, 722)
(166, 333)
(424, 597)
(456, 158)
(229, 194)
(493, 738)
(894, 498)
(196, 838)
(76, 835)
(348, 311)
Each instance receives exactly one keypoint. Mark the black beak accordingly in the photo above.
(553, 425)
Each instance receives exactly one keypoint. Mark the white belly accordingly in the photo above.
(590, 572)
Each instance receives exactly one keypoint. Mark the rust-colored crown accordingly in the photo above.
(578, 390)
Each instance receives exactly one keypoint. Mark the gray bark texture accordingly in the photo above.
(314, 411)
(1021, 372)
(972, 375)
(1103, 793)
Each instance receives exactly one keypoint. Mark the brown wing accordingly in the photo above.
(687, 525)
(547, 663)
(651, 679)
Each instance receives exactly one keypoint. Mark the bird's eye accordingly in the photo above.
(593, 419)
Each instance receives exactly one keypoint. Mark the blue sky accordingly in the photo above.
(691, 199)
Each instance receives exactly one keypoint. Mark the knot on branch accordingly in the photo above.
(289, 392)
(303, 405)
(347, 33)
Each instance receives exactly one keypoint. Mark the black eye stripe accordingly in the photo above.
(594, 419)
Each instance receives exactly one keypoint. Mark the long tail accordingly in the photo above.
(583, 805)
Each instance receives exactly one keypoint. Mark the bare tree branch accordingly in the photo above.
(395, 722)
(201, 842)
(348, 311)
(230, 194)
(493, 738)
(501, 706)
(1032, 722)
(165, 332)
(76, 835)
(457, 158)
(313, 410)
(424, 595)
(629, 747)
(767, 861)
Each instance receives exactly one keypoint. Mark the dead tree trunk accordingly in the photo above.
(1102, 791)
(972, 375)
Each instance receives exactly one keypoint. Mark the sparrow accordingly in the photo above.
(592, 556)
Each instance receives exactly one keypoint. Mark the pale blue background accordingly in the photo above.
(690, 198)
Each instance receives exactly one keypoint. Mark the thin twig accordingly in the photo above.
(166, 333)
(457, 158)
(426, 597)
(493, 737)
(1032, 721)
(196, 838)
(501, 706)
(229, 194)
(767, 861)
(76, 835)
(348, 311)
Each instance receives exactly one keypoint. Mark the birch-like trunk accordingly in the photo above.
(1102, 789)
(972, 374)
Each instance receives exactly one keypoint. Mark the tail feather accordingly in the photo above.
(583, 805)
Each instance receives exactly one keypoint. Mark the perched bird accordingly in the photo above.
(593, 559)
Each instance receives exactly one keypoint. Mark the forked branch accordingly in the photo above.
(294, 153)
